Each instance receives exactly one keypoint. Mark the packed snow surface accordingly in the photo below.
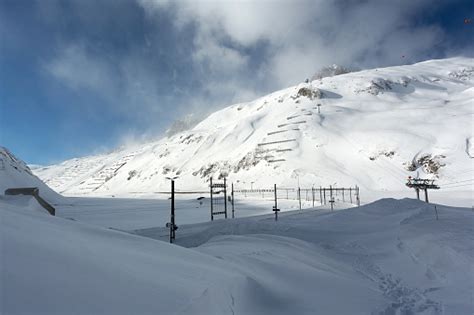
(370, 128)
(388, 257)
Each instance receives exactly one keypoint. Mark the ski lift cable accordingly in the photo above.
(471, 184)
(462, 181)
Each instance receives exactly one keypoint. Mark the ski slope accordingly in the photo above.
(389, 257)
(375, 128)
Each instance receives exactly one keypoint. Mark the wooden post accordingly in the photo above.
(312, 194)
(426, 195)
(350, 194)
(343, 200)
(324, 191)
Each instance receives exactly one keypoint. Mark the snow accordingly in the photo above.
(372, 125)
(393, 256)
(390, 257)
(14, 173)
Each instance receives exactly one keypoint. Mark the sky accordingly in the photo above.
(81, 77)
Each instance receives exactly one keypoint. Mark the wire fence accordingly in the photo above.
(222, 201)
(315, 195)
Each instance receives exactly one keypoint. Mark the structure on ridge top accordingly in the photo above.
(421, 184)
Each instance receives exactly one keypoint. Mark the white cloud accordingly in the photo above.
(240, 49)
(302, 35)
(76, 68)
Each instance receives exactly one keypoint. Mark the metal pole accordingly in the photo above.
(275, 209)
(212, 210)
(225, 197)
(331, 200)
(324, 190)
(426, 195)
(358, 196)
(232, 195)
(321, 195)
(417, 193)
(299, 196)
(172, 225)
(343, 199)
(312, 194)
(350, 193)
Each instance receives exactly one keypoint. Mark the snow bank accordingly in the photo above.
(14, 173)
(56, 266)
(421, 265)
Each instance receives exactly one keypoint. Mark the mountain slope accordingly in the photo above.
(375, 128)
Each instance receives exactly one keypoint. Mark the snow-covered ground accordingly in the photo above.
(112, 256)
(376, 127)
(130, 214)
(14, 173)
(389, 257)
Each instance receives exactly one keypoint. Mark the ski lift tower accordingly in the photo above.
(421, 184)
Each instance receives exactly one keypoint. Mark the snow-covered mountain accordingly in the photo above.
(14, 173)
(372, 128)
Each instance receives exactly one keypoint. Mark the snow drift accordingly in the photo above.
(389, 257)
(14, 173)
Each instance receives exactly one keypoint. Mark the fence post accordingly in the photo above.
(324, 190)
(299, 196)
(321, 195)
(350, 193)
(225, 198)
(312, 194)
(330, 192)
(343, 199)
(232, 196)
(212, 210)
(358, 196)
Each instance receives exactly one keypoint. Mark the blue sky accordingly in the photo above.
(81, 77)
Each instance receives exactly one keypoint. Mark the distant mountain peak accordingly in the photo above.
(330, 71)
